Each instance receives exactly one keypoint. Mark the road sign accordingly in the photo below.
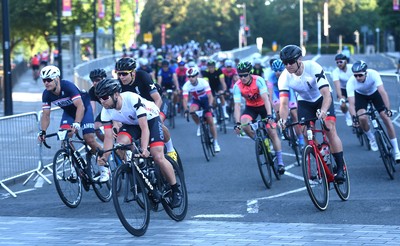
(148, 37)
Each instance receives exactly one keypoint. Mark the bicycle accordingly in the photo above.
(318, 170)
(142, 187)
(384, 145)
(71, 172)
(207, 140)
(219, 113)
(265, 159)
(289, 134)
(361, 136)
(171, 113)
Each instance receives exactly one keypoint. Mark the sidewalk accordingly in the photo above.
(27, 95)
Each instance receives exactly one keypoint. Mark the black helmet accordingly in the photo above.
(211, 63)
(244, 67)
(359, 66)
(107, 87)
(97, 73)
(165, 63)
(341, 57)
(290, 54)
(125, 64)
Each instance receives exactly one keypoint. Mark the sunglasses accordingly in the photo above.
(243, 75)
(339, 62)
(191, 76)
(98, 79)
(48, 80)
(290, 62)
(124, 73)
(278, 71)
(359, 75)
(105, 98)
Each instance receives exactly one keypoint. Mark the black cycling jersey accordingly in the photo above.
(142, 85)
(213, 79)
(93, 96)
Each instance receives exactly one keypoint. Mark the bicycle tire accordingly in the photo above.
(359, 135)
(295, 145)
(204, 137)
(171, 114)
(70, 192)
(385, 154)
(114, 163)
(179, 213)
(221, 119)
(263, 163)
(103, 190)
(274, 167)
(343, 188)
(179, 162)
(132, 207)
(315, 179)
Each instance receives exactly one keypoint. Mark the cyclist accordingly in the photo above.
(216, 79)
(254, 90)
(140, 119)
(229, 71)
(35, 63)
(77, 111)
(140, 82)
(307, 79)
(201, 98)
(96, 76)
(277, 67)
(366, 85)
(167, 79)
(144, 66)
(181, 73)
(340, 75)
(258, 69)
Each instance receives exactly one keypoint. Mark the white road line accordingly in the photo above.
(208, 216)
(294, 175)
(282, 194)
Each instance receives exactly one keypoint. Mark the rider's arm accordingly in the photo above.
(327, 99)
(93, 103)
(338, 90)
(350, 95)
(108, 139)
(80, 110)
(145, 135)
(157, 99)
(267, 103)
(175, 80)
(237, 97)
(352, 108)
(222, 81)
(284, 105)
(210, 98)
(384, 96)
(45, 120)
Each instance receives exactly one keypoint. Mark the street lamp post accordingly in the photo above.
(241, 30)
(301, 25)
(377, 39)
(94, 30)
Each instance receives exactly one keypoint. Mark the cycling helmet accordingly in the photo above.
(191, 64)
(271, 61)
(277, 65)
(97, 73)
(143, 61)
(211, 63)
(50, 72)
(228, 63)
(257, 61)
(244, 67)
(159, 58)
(192, 71)
(359, 66)
(165, 63)
(181, 63)
(125, 64)
(107, 87)
(290, 53)
(341, 57)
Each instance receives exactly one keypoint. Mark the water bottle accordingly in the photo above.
(142, 163)
(325, 152)
(266, 142)
(79, 159)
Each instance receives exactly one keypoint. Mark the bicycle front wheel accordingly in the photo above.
(66, 180)
(178, 213)
(315, 178)
(263, 163)
(102, 189)
(386, 156)
(131, 203)
(205, 141)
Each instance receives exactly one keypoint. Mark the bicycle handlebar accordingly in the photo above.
(307, 122)
(56, 134)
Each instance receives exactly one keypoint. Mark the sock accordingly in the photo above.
(395, 145)
(279, 156)
(169, 145)
(338, 159)
(370, 135)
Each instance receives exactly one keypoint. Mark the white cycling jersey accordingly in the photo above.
(368, 87)
(308, 84)
(342, 76)
(200, 90)
(133, 107)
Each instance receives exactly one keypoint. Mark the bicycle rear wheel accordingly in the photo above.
(343, 189)
(103, 190)
(386, 156)
(178, 213)
(264, 165)
(131, 203)
(205, 141)
(67, 182)
(315, 178)
(221, 119)
(171, 115)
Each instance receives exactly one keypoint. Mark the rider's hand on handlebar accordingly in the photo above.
(145, 153)
(41, 136)
(237, 128)
(282, 123)
(388, 112)
(321, 114)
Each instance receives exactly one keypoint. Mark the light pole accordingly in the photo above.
(242, 27)
(377, 39)
(301, 25)
(94, 30)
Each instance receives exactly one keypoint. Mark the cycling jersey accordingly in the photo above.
(307, 85)
(273, 83)
(228, 74)
(181, 74)
(251, 93)
(258, 71)
(202, 89)
(213, 79)
(342, 76)
(147, 69)
(92, 95)
(167, 77)
(142, 85)
(368, 87)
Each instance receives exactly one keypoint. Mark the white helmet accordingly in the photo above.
(193, 71)
(257, 61)
(228, 63)
(50, 72)
(143, 61)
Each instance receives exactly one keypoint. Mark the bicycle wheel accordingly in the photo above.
(343, 189)
(114, 163)
(295, 145)
(171, 115)
(221, 119)
(178, 213)
(67, 182)
(205, 141)
(263, 163)
(131, 203)
(385, 154)
(359, 134)
(274, 166)
(179, 162)
(103, 190)
(210, 141)
(315, 178)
